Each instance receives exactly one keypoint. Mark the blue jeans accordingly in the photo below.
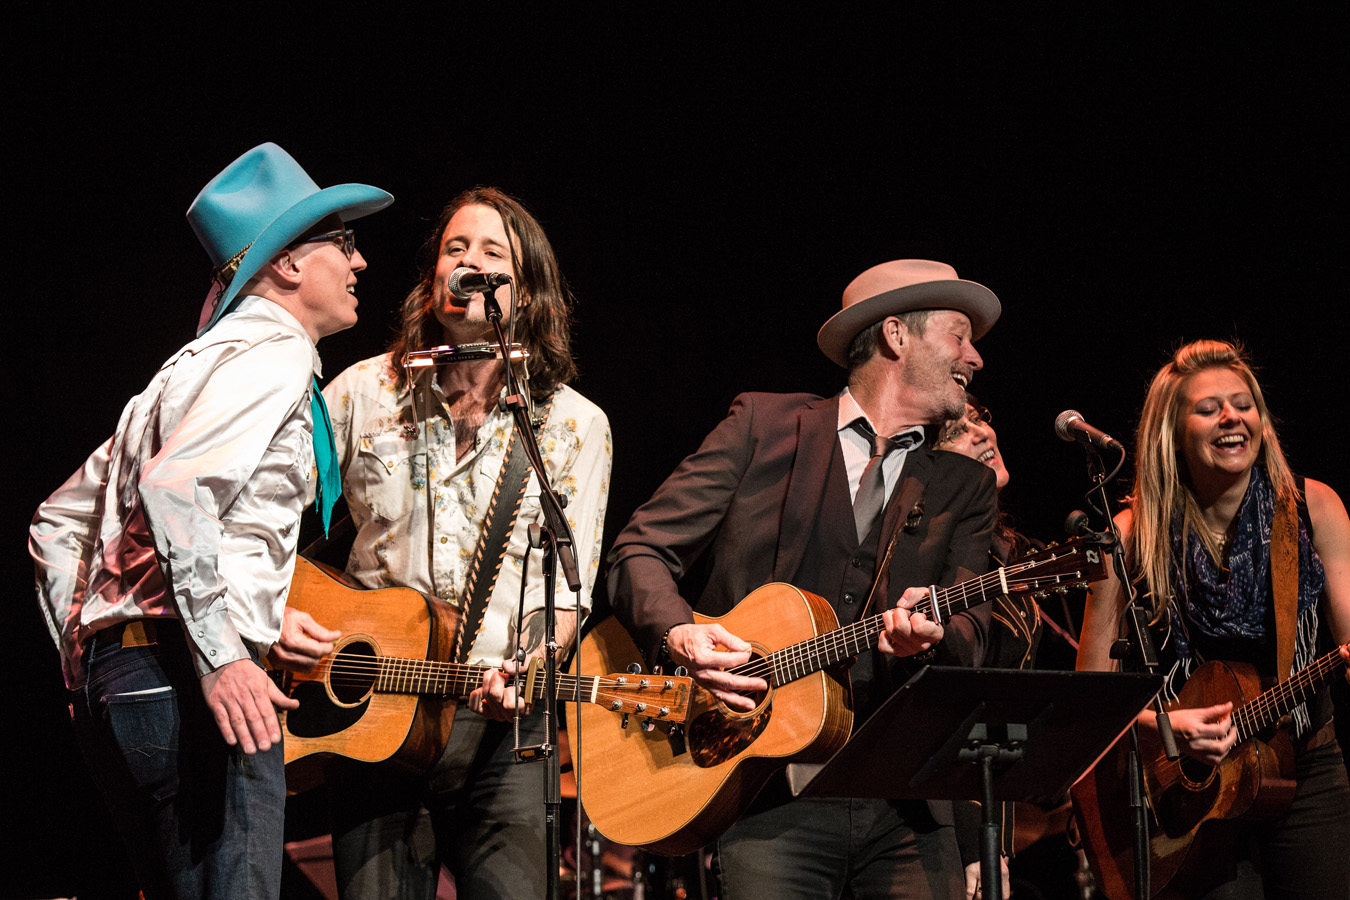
(200, 819)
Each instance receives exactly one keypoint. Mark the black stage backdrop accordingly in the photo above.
(711, 180)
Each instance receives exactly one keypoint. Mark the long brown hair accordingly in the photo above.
(543, 325)
(1162, 487)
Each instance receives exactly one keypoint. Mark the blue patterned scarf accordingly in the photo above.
(1237, 602)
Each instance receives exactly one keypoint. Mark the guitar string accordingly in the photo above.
(806, 656)
(1274, 703)
(417, 668)
(802, 658)
(410, 673)
(1267, 708)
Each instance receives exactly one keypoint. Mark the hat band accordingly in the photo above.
(224, 273)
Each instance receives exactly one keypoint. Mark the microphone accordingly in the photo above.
(1069, 425)
(464, 282)
(1077, 524)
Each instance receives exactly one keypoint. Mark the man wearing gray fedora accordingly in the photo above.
(163, 564)
(814, 491)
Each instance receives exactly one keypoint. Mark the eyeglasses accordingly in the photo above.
(958, 427)
(978, 414)
(345, 239)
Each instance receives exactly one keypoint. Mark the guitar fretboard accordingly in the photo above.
(397, 675)
(812, 655)
(1259, 714)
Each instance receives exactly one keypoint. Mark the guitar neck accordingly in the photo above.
(419, 676)
(1257, 715)
(825, 650)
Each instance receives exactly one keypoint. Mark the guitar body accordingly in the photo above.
(340, 713)
(1195, 809)
(673, 796)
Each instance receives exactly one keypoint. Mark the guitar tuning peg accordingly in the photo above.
(623, 723)
(634, 669)
(648, 725)
(681, 671)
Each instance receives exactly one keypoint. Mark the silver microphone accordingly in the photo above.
(1070, 426)
(464, 282)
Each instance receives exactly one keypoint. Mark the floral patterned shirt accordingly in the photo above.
(421, 532)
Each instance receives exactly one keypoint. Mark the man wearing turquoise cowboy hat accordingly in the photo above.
(163, 563)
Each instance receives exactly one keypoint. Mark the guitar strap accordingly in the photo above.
(498, 526)
(1284, 584)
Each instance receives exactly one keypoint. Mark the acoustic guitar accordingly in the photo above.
(388, 692)
(1195, 808)
(672, 790)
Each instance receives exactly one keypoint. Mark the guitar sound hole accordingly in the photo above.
(755, 697)
(352, 676)
(1194, 770)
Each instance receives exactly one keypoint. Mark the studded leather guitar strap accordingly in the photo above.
(498, 526)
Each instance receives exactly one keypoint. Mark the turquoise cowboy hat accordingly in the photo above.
(256, 207)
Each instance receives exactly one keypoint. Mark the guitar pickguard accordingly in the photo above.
(715, 737)
(317, 715)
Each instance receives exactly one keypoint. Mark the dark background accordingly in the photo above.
(711, 179)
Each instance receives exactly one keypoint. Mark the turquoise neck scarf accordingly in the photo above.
(325, 458)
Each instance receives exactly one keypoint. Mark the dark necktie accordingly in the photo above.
(871, 496)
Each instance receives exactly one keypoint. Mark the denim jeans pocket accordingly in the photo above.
(146, 728)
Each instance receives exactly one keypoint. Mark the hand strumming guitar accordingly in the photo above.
(1205, 733)
(303, 642)
(707, 651)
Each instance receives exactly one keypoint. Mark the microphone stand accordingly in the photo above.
(1136, 646)
(555, 539)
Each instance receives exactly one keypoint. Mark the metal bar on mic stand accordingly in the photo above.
(1138, 646)
(556, 541)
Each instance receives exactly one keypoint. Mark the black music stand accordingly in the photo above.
(954, 733)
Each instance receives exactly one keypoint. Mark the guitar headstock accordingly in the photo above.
(1077, 562)
(649, 696)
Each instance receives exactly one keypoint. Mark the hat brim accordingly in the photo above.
(350, 201)
(969, 297)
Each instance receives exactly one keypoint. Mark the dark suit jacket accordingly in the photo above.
(741, 509)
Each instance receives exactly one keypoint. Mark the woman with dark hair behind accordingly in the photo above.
(1205, 544)
(1012, 646)
(1017, 624)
